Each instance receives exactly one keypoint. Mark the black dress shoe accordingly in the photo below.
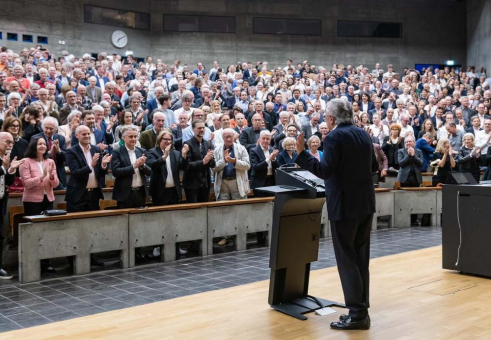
(343, 317)
(350, 324)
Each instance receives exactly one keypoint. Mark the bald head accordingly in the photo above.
(6, 142)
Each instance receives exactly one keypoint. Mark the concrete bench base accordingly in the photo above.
(407, 203)
(52, 239)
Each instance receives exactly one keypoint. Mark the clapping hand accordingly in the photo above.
(6, 161)
(167, 150)
(95, 159)
(56, 147)
(300, 143)
(102, 146)
(184, 151)
(227, 157)
(16, 163)
(140, 161)
(208, 157)
(410, 152)
(273, 155)
(106, 159)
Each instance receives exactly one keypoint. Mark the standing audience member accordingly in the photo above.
(392, 144)
(410, 162)
(263, 163)
(469, 156)
(232, 164)
(129, 169)
(443, 161)
(56, 148)
(7, 177)
(166, 162)
(197, 178)
(88, 167)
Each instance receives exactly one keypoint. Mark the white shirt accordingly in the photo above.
(40, 164)
(442, 133)
(92, 182)
(406, 130)
(270, 166)
(181, 109)
(169, 181)
(481, 140)
(137, 180)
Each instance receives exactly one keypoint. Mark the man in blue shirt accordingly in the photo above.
(423, 144)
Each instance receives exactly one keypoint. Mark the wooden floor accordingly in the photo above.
(411, 297)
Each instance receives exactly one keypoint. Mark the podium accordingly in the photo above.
(299, 199)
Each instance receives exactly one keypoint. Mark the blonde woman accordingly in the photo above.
(443, 161)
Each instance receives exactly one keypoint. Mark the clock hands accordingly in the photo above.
(120, 38)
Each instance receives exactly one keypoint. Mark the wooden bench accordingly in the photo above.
(74, 234)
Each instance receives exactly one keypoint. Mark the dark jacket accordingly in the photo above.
(259, 166)
(347, 166)
(248, 138)
(159, 171)
(197, 174)
(406, 162)
(123, 172)
(80, 171)
(391, 150)
(9, 180)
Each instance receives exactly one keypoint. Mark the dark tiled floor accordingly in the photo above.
(61, 299)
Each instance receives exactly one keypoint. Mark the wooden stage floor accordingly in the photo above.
(411, 297)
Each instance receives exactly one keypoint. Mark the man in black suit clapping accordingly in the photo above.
(263, 163)
(197, 178)
(129, 169)
(87, 173)
(347, 166)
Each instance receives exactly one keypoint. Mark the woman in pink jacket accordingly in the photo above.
(38, 173)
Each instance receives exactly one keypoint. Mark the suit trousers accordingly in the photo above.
(229, 190)
(198, 195)
(411, 182)
(351, 240)
(36, 208)
(136, 199)
(88, 202)
(167, 196)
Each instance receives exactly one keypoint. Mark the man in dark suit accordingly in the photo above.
(390, 103)
(129, 169)
(268, 118)
(263, 163)
(97, 137)
(101, 77)
(197, 178)
(7, 177)
(249, 136)
(165, 185)
(87, 173)
(93, 91)
(235, 98)
(410, 162)
(312, 127)
(377, 109)
(296, 98)
(347, 166)
(56, 148)
(476, 125)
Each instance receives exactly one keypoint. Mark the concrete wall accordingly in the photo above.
(433, 31)
(479, 33)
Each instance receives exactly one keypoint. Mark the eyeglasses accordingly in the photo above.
(14, 126)
(167, 139)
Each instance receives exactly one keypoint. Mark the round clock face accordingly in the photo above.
(119, 39)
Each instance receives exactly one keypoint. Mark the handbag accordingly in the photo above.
(54, 212)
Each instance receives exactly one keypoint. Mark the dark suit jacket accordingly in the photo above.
(79, 173)
(386, 105)
(301, 100)
(198, 174)
(371, 106)
(347, 165)
(248, 138)
(471, 130)
(105, 79)
(405, 163)
(259, 166)
(374, 110)
(9, 180)
(269, 121)
(100, 137)
(123, 172)
(177, 134)
(230, 102)
(60, 158)
(152, 105)
(159, 171)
